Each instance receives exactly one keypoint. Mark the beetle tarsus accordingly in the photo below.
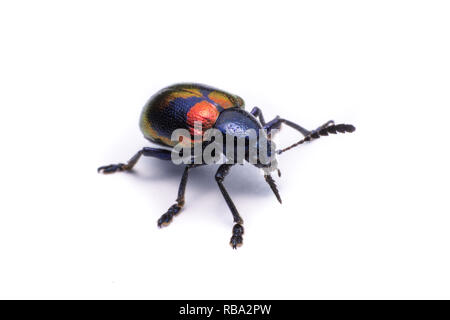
(236, 238)
(167, 217)
(113, 168)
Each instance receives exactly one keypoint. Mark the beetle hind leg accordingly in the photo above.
(162, 154)
(121, 166)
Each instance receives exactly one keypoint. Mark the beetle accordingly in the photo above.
(179, 106)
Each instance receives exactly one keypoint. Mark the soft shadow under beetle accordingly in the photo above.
(179, 106)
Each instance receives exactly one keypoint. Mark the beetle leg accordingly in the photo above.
(238, 229)
(258, 113)
(162, 154)
(236, 238)
(277, 122)
(175, 209)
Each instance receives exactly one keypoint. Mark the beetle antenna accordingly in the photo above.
(323, 131)
(273, 186)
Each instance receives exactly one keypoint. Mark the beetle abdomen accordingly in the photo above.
(179, 106)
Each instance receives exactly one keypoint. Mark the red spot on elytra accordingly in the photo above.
(204, 113)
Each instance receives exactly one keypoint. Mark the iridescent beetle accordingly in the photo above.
(179, 106)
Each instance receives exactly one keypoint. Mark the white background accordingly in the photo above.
(364, 215)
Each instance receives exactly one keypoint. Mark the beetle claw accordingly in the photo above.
(236, 241)
(165, 220)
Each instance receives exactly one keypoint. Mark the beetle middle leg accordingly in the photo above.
(175, 209)
(159, 153)
(238, 229)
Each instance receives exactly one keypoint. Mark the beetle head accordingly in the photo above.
(259, 149)
(246, 132)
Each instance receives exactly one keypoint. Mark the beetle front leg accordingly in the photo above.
(238, 229)
(162, 154)
(175, 209)
(277, 122)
